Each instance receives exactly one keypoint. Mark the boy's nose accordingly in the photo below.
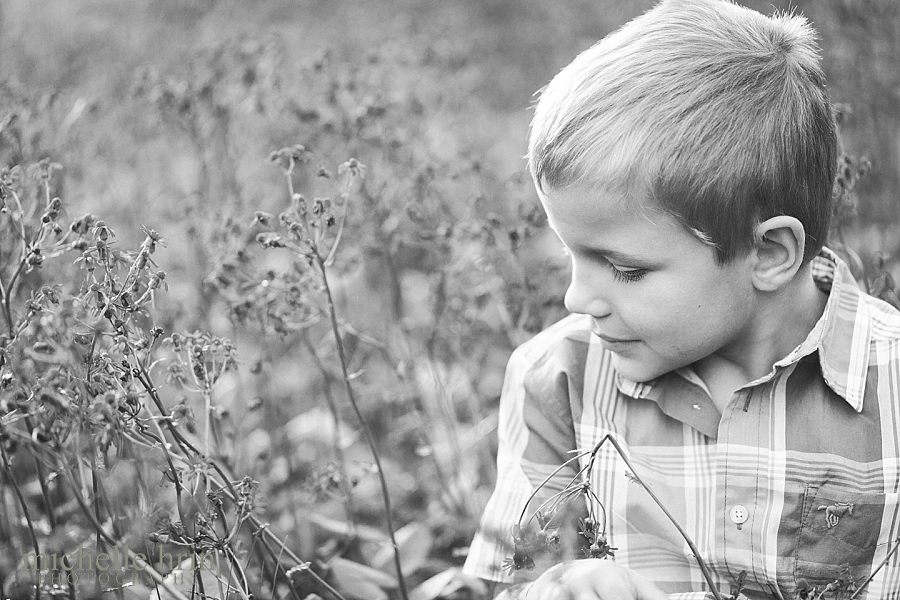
(583, 299)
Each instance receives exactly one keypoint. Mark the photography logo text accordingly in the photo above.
(119, 566)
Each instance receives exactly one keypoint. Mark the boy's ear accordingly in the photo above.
(778, 252)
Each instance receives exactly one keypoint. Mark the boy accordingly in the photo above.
(686, 162)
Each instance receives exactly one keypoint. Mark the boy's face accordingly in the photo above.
(657, 297)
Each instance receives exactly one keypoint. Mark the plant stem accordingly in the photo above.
(548, 478)
(7, 313)
(707, 575)
(135, 559)
(235, 567)
(278, 568)
(880, 566)
(385, 493)
(7, 298)
(176, 479)
(42, 479)
(346, 490)
(225, 483)
(34, 543)
(98, 516)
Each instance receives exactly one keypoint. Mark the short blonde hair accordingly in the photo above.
(718, 112)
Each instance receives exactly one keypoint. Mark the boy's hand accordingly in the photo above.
(587, 579)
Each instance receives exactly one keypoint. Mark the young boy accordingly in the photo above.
(686, 162)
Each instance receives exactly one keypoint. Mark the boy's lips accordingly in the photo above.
(618, 346)
(612, 340)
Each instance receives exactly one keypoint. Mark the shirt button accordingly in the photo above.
(739, 514)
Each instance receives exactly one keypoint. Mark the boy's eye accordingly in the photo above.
(627, 275)
(621, 274)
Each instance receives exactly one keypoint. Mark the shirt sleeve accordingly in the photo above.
(536, 436)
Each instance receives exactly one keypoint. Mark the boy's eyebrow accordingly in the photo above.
(608, 253)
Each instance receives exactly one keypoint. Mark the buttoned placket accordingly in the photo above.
(745, 493)
(741, 425)
(737, 501)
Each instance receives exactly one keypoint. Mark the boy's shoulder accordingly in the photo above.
(571, 334)
(561, 356)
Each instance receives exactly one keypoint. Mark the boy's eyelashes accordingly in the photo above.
(627, 275)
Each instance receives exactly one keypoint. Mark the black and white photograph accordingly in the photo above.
(450, 300)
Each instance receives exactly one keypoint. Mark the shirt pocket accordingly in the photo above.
(840, 532)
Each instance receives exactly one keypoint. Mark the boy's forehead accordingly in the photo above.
(584, 203)
(595, 220)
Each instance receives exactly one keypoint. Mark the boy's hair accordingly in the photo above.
(717, 111)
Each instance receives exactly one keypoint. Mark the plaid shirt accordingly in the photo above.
(798, 479)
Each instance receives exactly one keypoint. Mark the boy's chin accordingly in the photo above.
(636, 370)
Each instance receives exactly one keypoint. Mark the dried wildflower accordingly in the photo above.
(51, 293)
(156, 279)
(600, 547)
(263, 218)
(270, 240)
(289, 156)
(324, 483)
(83, 224)
(354, 168)
(551, 538)
(587, 528)
(543, 518)
(517, 562)
(35, 259)
(102, 232)
(43, 170)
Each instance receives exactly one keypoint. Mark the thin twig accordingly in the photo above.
(707, 575)
(880, 566)
(34, 543)
(279, 567)
(42, 479)
(322, 264)
(385, 493)
(347, 491)
(548, 478)
(99, 517)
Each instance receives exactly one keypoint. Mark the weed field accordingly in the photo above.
(262, 265)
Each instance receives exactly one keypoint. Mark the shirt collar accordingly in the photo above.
(841, 336)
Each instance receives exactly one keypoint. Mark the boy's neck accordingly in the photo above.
(781, 323)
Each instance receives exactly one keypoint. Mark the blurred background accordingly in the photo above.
(477, 65)
(163, 114)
